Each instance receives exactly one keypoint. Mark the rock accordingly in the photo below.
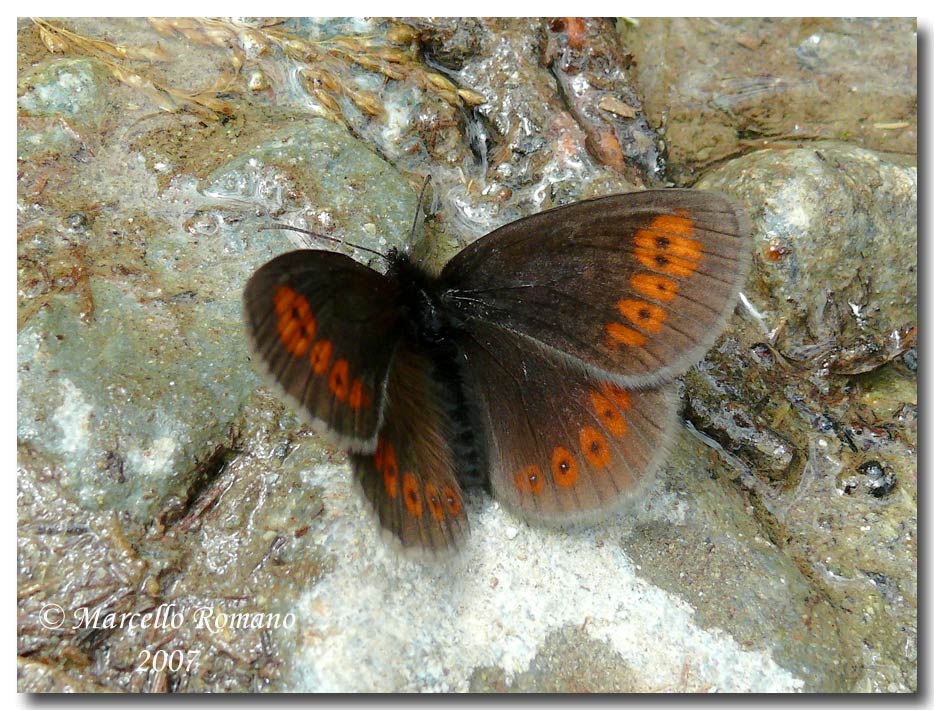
(815, 360)
(316, 162)
(585, 58)
(720, 87)
(507, 611)
(528, 149)
(71, 88)
(835, 268)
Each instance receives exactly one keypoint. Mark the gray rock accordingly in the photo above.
(719, 87)
(71, 88)
(835, 277)
(812, 396)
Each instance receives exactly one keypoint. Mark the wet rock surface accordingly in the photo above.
(777, 549)
(836, 252)
(719, 87)
(811, 393)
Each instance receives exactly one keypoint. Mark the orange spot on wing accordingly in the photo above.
(339, 380)
(283, 298)
(358, 395)
(608, 415)
(666, 245)
(380, 453)
(654, 286)
(673, 225)
(296, 343)
(529, 480)
(321, 356)
(620, 333)
(646, 315)
(433, 498)
(390, 469)
(658, 261)
(452, 500)
(594, 447)
(564, 467)
(683, 248)
(616, 394)
(411, 494)
(295, 323)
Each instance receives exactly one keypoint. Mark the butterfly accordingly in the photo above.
(538, 363)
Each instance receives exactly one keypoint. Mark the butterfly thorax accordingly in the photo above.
(424, 318)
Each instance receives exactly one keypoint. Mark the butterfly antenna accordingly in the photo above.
(326, 238)
(315, 235)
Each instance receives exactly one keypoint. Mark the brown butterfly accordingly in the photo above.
(537, 364)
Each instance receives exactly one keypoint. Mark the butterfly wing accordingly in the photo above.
(324, 328)
(410, 480)
(637, 286)
(563, 444)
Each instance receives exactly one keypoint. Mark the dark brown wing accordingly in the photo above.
(410, 480)
(563, 444)
(324, 328)
(637, 286)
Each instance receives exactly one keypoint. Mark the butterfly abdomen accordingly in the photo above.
(460, 407)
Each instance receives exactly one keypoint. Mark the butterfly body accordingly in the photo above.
(538, 363)
(432, 327)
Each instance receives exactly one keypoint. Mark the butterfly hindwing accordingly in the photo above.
(636, 285)
(563, 444)
(410, 479)
(324, 328)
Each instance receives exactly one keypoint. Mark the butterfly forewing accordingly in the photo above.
(563, 444)
(410, 479)
(637, 285)
(324, 328)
